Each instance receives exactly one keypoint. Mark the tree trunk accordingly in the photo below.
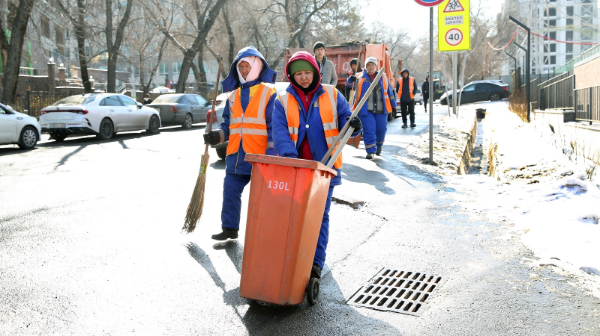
(13, 59)
(230, 34)
(202, 72)
(189, 54)
(113, 48)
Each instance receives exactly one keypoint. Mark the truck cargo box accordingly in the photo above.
(341, 55)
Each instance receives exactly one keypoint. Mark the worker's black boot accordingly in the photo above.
(404, 125)
(413, 125)
(378, 151)
(226, 234)
(315, 272)
(369, 156)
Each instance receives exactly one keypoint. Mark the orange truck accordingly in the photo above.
(342, 54)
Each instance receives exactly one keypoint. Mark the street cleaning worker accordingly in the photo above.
(326, 67)
(351, 81)
(374, 114)
(306, 119)
(247, 125)
(406, 92)
(425, 90)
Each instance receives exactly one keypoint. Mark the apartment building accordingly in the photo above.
(574, 21)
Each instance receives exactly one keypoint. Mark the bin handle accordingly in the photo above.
(347, 130)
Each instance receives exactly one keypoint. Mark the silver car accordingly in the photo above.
(181, 109)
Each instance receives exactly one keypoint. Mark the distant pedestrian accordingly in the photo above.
(374, 113)
(406, 92)
(147, 100)
(351, 81)
(326, 67)
(425, 90)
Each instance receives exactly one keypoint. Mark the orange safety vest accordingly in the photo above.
(411, 86)
(250, 126)
(327, 109)
(362, 79)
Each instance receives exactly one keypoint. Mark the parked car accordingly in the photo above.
(217, 118)
(181, 109)
(477, 92)
(100, 114)
(418, 96)
(18, 128)
(161, 89)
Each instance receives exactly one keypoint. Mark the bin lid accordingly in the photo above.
(290, 162)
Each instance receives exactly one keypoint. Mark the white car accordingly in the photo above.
(418, 96)
(18, 128)
(101, 114)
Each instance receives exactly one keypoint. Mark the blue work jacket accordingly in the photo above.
(311, 127)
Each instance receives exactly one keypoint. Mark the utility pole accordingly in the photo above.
(528, 61)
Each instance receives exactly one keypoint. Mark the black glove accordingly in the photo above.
(212, 138)
(355, 122)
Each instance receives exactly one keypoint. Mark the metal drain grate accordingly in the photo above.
(398, 291)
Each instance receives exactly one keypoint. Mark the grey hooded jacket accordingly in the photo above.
(328, 74)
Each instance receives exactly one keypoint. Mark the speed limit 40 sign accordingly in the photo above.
(454, 25)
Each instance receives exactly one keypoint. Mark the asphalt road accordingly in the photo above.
(90, 244)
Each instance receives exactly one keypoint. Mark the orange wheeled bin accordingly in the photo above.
(285, 211)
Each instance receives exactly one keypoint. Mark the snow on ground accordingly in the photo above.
(547, 193)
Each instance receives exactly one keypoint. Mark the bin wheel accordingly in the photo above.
(312, 291)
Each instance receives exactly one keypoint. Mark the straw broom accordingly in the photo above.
(194, 210)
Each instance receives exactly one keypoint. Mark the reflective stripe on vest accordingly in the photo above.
(386, 96)
(411, 87)
(250, 126)
(327, 104)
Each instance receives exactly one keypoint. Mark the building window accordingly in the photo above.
(553, 35)
(569, 57)
(550, 12)
(553, 47)
(569, 35)
(176, 68)
(163, 69)
(45, 25)
(552, 59)
(569, 48)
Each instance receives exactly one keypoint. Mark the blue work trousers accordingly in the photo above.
(232, 200)
(374, 129)
(324, 233)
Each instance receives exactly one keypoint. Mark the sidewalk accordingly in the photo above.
(413, 222)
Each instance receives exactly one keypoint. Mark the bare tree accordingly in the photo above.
(113, 47)
(18, 29)
(77, 18)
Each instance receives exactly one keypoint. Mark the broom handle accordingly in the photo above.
(214, 103)
(347, 125)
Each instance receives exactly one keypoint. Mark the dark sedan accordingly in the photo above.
(477, 92)
(181, 109)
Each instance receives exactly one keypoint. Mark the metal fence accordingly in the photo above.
(557, 93)
(32, 102)
(587, 104)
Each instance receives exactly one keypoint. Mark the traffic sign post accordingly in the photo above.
(454, 35)
(430, 4)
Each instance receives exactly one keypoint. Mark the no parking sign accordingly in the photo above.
(454, 25)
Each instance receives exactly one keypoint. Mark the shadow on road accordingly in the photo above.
(303, 319)
(358, 174)
(219, 164)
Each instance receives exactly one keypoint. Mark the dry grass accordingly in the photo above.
(517, 103)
